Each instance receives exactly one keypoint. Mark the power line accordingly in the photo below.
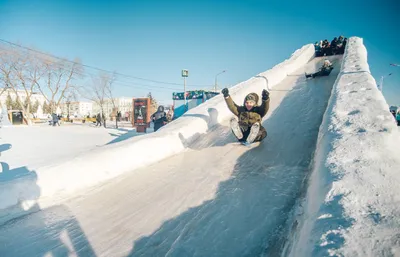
(99, 69)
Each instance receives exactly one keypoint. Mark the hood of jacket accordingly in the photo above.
(251, 97)
(160, 108)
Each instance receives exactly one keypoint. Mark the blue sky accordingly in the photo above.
(157, 39)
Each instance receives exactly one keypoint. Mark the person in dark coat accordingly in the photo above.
(248, 128)
(55, 119)
(325, 70)
(326, 47)
(334, 46)
(98, 120)
(318, 50)
(159, 118)
(342, 46)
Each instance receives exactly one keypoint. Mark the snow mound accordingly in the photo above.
(352, 204)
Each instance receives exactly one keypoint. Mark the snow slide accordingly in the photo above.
(216, 198)
(51, 184)
(352, 205)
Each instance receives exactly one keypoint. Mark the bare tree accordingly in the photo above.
(3, 89)
(109, 94)
(153, 103)
(59, 77)
(20, 72)
(98, 92)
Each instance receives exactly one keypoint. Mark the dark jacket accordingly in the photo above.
(159, 118)
(334, 43)
(248, 117)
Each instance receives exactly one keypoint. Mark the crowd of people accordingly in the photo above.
(336, 46)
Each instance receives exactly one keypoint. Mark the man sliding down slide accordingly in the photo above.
(325, 70)
(248, 129)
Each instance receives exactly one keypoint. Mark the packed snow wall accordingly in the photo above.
(52, 183)
(352, 205)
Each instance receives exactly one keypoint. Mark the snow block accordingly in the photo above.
(106, 162)
(352, 203)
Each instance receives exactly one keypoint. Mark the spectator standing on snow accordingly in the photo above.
(98, 120)
(159, 118)
(55, 120)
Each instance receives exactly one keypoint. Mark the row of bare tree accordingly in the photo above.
(56, 79)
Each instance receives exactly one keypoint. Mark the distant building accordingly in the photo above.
(123, 105)
(77, 109)
(22, 95)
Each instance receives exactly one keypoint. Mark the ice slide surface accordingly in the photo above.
(215, 199)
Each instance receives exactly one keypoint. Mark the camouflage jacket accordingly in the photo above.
(248, 118)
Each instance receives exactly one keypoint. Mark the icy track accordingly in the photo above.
(215, 199)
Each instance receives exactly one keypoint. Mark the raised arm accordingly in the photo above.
(265, 103)
(229, 102)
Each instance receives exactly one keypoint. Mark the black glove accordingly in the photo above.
(265, 95)
(225, 92)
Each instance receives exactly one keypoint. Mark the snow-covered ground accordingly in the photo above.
(353, 201)
(25, 149)
(216, 198)
(42, 145)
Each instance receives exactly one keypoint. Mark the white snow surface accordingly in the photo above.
(352, 207)
(100, 164)
(42, 145)
(216, 198)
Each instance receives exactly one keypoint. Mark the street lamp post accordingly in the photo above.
(185, 74)
(215, 85)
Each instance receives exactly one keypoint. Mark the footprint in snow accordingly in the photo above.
(354, 112)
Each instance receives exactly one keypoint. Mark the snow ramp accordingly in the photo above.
(54, 183)
(215, 198)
